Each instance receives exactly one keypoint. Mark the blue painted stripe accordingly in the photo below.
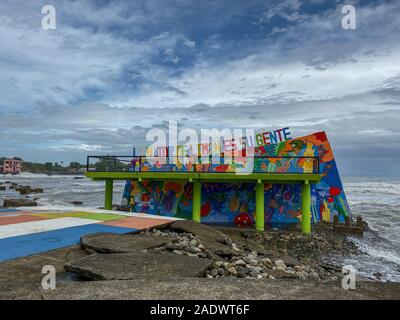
(9, 210)
(21, 246)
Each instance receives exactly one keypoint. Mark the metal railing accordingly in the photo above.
(257, 164)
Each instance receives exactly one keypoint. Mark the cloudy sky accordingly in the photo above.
(114, 69)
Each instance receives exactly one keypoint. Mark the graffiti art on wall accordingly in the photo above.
(234, 203)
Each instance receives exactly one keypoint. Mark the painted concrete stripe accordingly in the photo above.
(19, 219)
(20, 229)
(82, 215)
(5, 215)
(9, 210)
(54, 209)
(136, 222)
(15, 247)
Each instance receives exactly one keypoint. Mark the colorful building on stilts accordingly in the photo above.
(293, 181)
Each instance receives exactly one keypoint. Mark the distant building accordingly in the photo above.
(11, 166)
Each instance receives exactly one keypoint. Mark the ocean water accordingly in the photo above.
(377, 200)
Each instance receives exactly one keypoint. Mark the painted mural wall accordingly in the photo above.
(227, 203)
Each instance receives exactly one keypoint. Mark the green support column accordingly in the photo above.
(259, 206)
(306, 208)
(196, 200)
(108, 199)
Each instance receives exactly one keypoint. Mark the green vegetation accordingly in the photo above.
(36, 167)
(110, 164)
(107, 164)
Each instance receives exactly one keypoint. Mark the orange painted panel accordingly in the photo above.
(136, 222)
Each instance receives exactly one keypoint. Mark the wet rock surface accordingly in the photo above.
(122, 243)
(25, 193)
(124, 266)
(7, 203)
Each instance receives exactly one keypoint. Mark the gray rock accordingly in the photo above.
(279, 273)
(267, 262)
(290, 261)
(240, 262)
(257, 269)
(221, 271)
(280, 264)
(214, 272)
(259, 248)
(211, 238)
(242, 271)
(122, 243)
(24, 189)
(19, 203)
(138, 265)
(198, 229)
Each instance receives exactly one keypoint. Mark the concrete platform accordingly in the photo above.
(15, 247)
(30, 230)
(137, 265)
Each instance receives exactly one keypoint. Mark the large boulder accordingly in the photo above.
(198, 229)
(24, 189)
(137, 265)
(122, 243)
(212, 239)
(19, 203)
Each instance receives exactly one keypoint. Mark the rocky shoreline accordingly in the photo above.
(272, 254)
(227, 252)
(24, 190)
(186, 260)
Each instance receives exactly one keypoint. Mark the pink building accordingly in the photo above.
(12, 166)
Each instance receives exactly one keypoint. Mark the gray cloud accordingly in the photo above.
(111, 72)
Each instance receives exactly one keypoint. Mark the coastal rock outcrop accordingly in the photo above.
(23, 190)
(216, 252)
(19, 203)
